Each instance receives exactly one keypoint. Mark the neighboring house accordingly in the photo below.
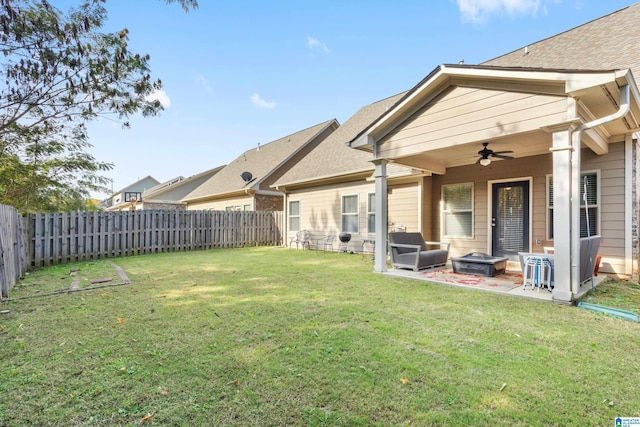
(127, 198)
(567, 110)
(331, 190)
(245, 183)
(169, 195)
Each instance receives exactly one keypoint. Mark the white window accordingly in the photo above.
(350, 216)
(457, 210)
(589, 212)
(294, 215)
(371, 213)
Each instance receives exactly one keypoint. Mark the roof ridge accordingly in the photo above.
(321, 124)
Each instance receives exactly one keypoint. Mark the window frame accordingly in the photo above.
(549, 233)
(289, 215)
(371, 213)
(443, 211)
(355, 214)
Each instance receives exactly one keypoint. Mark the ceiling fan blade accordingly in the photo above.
(503, 152)
(502, 156)
(477, 162)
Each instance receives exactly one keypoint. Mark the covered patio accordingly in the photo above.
(562, 139)
(508, 284)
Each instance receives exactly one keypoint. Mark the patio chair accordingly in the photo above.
(302, 238)
(326, 243)
(410, 250)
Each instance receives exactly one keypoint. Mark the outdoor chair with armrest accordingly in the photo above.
(302, 238)
(326, 242)
(410, 250)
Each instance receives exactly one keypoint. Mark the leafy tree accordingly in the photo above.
(58, 72)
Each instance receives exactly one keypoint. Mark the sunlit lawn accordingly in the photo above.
(276, 337)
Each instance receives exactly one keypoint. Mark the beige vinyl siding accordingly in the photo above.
(460, 115)
(221, 204)
(612, 200)
(403, 206)
(320, 208)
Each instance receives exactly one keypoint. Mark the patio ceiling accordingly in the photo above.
(437, 161)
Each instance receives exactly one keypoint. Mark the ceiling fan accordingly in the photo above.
(486, 154)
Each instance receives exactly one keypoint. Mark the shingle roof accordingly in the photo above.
(607, 43)
(332, 157)
(178, 187)
(260, 162)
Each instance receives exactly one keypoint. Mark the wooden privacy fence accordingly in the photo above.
(38, 240)
(75, 236)
(14, 259)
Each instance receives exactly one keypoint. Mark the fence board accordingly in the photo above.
(70, 237)
(13, 256)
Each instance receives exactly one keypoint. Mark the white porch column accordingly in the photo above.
(380, 175)
(563, 214)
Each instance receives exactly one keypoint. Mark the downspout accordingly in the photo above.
(625, 106)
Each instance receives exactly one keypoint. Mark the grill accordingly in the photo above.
(344, 238)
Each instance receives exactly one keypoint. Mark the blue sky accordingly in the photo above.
(237, 73)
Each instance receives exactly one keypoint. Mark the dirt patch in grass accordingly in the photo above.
(69, 278)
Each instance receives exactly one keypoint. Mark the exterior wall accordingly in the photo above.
(610, 166)
(438, 124)
(403, 206)
(269, 203)
(221, 204)
(612, 202)
(321, 208)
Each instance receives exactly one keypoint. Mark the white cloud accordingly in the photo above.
(261, 103)
(314, 43)
(204, 83)
(479, 10)
(161, 96)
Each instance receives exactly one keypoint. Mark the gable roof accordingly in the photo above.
(140, 185)
(332, 157)
(260, 162)
(177, 188)
(606, 43)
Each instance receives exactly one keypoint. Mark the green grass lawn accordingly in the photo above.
(277, 337)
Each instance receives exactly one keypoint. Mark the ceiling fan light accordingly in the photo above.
(485, 162)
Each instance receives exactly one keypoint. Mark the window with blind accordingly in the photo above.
(350, 216)
(589, 211)
(294, 215)
(371, 213)
(457, 210)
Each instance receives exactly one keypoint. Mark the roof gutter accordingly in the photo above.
(576, 135)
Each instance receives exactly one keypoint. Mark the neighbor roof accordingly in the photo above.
(177, 187)
(607, 43)
(260, 162)
(136, 185)
(332, 157)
